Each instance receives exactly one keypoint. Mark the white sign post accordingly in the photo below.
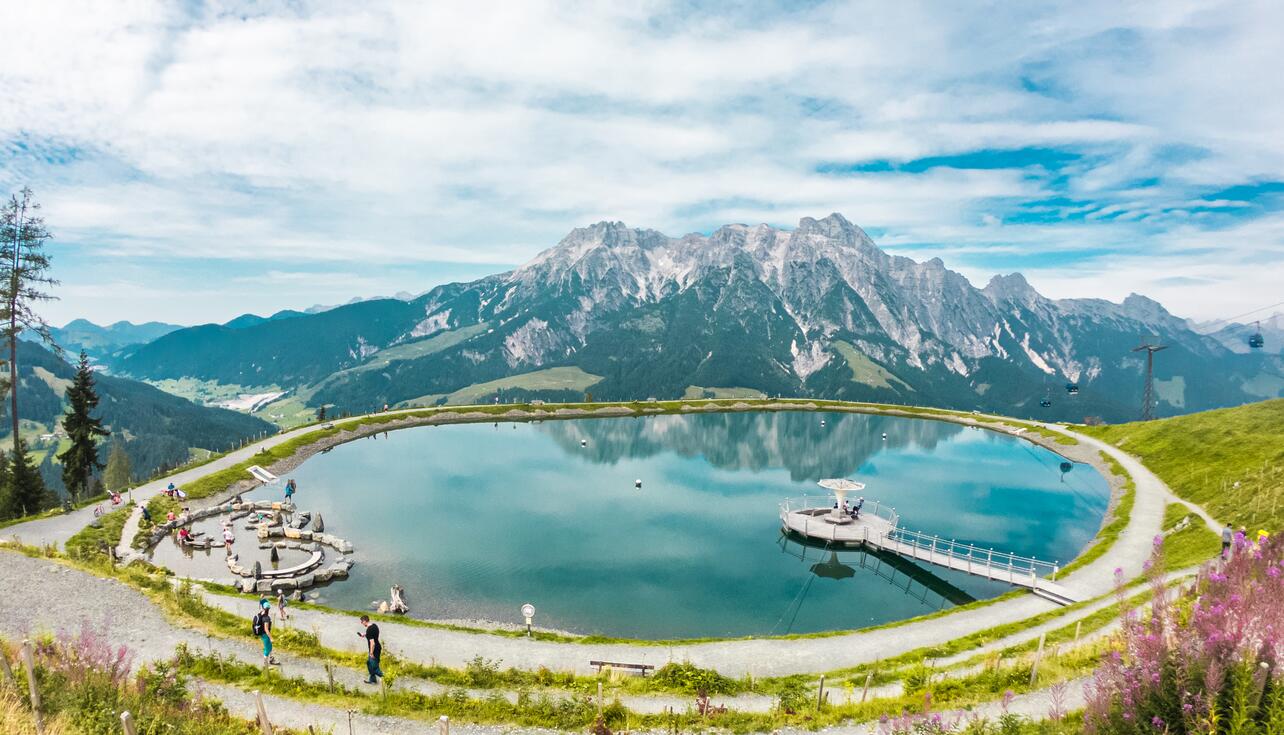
(528, 612)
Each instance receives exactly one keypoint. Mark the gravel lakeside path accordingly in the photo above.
(759, 657)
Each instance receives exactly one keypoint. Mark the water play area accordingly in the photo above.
(475, 520)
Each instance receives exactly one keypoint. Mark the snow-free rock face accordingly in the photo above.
(817, 310)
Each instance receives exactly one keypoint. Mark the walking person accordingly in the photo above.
(1228, 537)
(280, 605)
(263, 629)
(375, 649)
(289, 489)
(228, 538)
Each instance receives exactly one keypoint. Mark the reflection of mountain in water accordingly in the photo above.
(754, 441)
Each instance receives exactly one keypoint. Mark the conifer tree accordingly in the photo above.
(23, 264)
(27, 492)
(80, 461)
(119, 472)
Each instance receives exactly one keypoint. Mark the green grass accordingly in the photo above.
(576, 710)
(104, 532)
(865, 370)
(700, 391)
(1230, 461)
(558, 378)
(1192, 545)
(1119, 518)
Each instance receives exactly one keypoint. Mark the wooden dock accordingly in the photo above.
(879, 528)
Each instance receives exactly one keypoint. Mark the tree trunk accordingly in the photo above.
(14, 282)
(13, 382)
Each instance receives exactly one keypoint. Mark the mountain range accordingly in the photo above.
(99, 342)
(818, 310)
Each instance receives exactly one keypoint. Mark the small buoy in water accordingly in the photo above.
(583, 442)
(637, 483)
(884, 436)
(822, 422)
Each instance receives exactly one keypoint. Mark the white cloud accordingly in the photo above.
(404, 132)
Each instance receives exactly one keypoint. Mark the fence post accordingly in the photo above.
(1076, 631)
(865, 691)
(8, 672)
(443, 725)
(1038, 656)
(265, 725)
(29, 663)
(820, 693)
(127, 722)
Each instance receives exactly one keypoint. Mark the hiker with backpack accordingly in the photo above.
(262, 627)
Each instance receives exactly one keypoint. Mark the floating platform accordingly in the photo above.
(878, 527)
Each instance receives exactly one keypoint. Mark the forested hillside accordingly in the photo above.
(158, 429)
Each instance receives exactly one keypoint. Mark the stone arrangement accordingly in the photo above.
(267, 520)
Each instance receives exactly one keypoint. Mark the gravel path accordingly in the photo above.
(760, 657)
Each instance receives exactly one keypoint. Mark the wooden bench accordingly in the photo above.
(639, 668)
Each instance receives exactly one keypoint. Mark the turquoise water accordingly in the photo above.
(474, 520)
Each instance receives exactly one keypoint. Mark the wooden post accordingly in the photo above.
(820, 693)
(29, 663)
(265, 725)
(127, 722)
(350, 721)
(329, 675)
(443, 725)
(864, 692)
(8, 672)
(599, 697)
(1077, 626)
(1038, 655)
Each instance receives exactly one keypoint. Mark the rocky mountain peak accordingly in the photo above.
(1012, 287)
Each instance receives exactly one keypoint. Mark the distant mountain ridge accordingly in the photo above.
(818, 310)
(101, 341)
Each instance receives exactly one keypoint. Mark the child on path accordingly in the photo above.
(280, 604)
(289, 489)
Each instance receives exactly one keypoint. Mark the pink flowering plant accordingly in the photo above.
(1204, 659)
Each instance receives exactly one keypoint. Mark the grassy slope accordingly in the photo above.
(1231, 461)
(1192, 545)
(558, 378)
(865, 370)
(699, 391)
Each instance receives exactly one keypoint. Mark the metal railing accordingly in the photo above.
(987, 562)
(998, 564)
(826, 502)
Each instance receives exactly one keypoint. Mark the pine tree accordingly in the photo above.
(27, 492)
(80, 461)
(23, 264)
(119, 472)
(7, 507)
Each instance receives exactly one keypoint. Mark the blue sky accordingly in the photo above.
(197, 161)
